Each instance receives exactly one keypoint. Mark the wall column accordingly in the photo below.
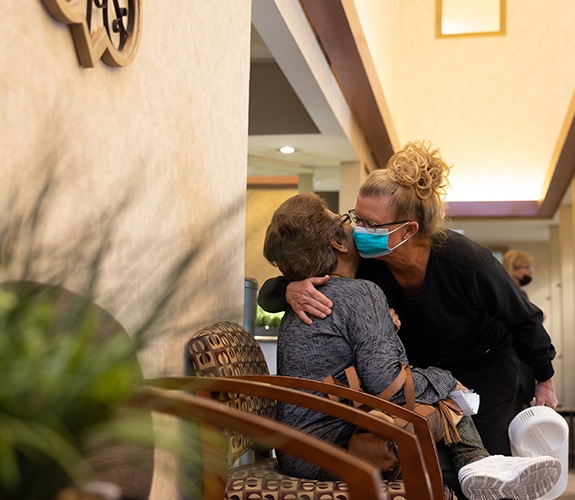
(305, 183)
(567, 254)
(351, 177)
(555, 318)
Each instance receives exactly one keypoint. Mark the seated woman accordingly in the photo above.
(304, 240)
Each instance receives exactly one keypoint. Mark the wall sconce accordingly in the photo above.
(115, 39)
(470, 17)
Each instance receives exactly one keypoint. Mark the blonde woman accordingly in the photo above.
(519, 265)
(459, 308)
(305, 239)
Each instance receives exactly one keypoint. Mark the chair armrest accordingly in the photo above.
(415, 474)
(420, 425)
(363, 479)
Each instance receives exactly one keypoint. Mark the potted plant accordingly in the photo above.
(68, 367)
(267, 323)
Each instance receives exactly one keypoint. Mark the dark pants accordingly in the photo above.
(454, 457)
(494, 377)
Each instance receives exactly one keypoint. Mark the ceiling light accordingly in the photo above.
(287, 150)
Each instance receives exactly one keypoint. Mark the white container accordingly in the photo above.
(540, 430)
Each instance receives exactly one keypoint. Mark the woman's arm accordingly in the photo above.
(545, 394)
(304, 299)
(272, 295)
(277, 294)
(496, 293)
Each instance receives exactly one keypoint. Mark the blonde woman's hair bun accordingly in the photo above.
(414, 181)
(421, 168)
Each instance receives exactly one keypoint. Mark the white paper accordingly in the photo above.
(468, 401)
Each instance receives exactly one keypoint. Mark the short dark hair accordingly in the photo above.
(298, 239)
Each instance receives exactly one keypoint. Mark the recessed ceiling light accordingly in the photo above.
(287, 150)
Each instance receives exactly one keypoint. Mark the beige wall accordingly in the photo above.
(566, 254)
(260, 206)
(170, 129)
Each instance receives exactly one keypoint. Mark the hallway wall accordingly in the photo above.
(155, 152)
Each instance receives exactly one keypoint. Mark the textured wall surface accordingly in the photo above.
(165, 137)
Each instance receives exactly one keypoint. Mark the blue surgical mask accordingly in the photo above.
(374, 243)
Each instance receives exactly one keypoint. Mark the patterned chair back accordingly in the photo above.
(225, 349)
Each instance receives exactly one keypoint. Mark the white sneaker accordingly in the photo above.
(519, 478)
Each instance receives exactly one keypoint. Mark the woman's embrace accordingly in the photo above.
(306, 240)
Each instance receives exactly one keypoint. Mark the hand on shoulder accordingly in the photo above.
(304, 299)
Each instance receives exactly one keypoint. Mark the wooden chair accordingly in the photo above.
(361, 480)
(232, 369)
(420, 426)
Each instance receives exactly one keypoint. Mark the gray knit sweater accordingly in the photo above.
(359, 332)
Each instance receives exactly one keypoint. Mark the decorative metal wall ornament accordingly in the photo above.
(106, 29)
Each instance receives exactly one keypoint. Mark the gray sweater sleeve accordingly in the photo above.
(378, 351)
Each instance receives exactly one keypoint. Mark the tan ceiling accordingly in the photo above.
(499, 107)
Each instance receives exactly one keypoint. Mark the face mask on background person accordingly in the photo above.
(525, 280)
(373, 243)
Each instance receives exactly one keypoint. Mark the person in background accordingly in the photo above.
(305, 239)
(519, 265)
(459, 308)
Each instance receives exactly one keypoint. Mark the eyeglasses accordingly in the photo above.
(343, 219)
(368, 225)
